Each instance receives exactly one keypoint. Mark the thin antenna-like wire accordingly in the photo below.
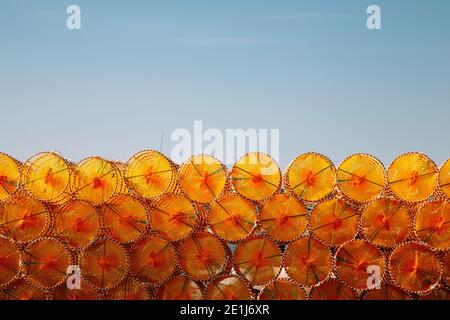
(161, 143)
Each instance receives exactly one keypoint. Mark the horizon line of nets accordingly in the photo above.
(153, 229)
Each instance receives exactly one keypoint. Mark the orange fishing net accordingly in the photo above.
(152, 259)
(385, 222)
(361, 177)
(311, 177)
(258, 260)
(203, 178)
(203, 256)
(232, 217)
(256, 176)
(412, 177)
(353, 260)
(46, 262)
(153, 229)
(47, 176)
(308, 261)
(334, 222)
(283, 217)
(415, 268)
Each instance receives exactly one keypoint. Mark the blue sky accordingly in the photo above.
(310, 68)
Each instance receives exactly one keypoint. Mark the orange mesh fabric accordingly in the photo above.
(386, 222)
(104, 263)
(46, 176)
(412, 177)
(23, 218)
(415, 267)
(258, 260)
(232, 217)
(9, 261)
(256, 176)
(96, 180)
(433, 224)
(334, 222)
(202, 256)
(149, 173)
(353, 260)
(77, 223)
(152, 259)
(202, 178)
(173, 216)
(308, 261)
(361, 177)
(283, 217)
(125, 218)
(311, 177)
(46, 262)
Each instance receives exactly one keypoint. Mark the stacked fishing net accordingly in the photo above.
(152, 229)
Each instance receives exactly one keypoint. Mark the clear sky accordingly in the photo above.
(310, 68)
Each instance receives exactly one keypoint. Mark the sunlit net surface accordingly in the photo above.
(153, 229)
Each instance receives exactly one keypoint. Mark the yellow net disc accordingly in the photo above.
(9, 176)
(386, 222)
(444, 178)
(415, 267)
(361, 177)
(332, 290)
(228, 288)
(256, 176)
(23, 218)
(311, 177)
(9, 261)
(334, 222)
(46, 262)
(47, 176)
(202, 178)
(258, 260)
(282, 289)
(412, 177)
(104, 263)
(433, 224)
(203, 256)
(232, 217)
(96, 180)
(152, 259)
(180, 288)
(308, 261)
(150, 174)
(283, 217)
(124, 217)
(173, 216)
(353, 260)
(77, 223)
